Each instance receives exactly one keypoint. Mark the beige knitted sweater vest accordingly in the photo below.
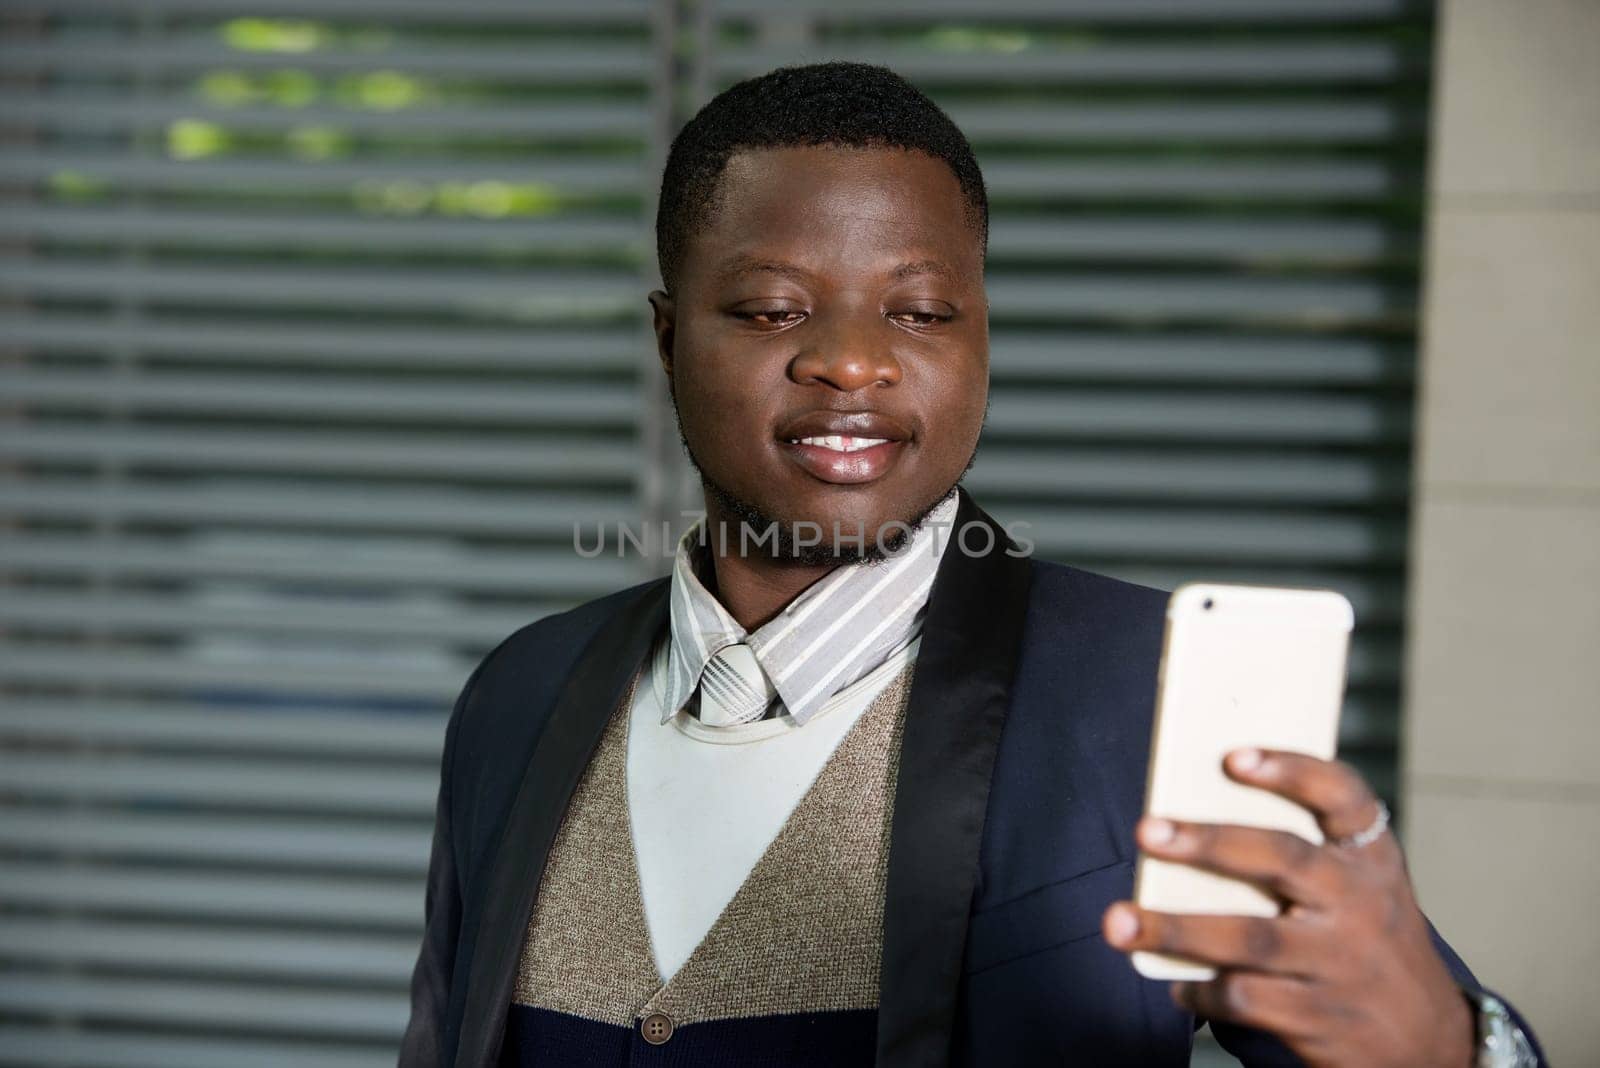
(803, 933)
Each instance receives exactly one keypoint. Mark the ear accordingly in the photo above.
(664, 320)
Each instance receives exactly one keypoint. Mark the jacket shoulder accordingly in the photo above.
(1063, 594)
(550, 642)
(1091, 655)
(503, 706)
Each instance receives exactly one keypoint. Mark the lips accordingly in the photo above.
(840, 443)
(844, 447)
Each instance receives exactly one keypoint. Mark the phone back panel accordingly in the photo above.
(1241, 666)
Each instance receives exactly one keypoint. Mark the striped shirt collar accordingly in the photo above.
(834, 632)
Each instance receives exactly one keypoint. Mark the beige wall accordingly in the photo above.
(1502, 748)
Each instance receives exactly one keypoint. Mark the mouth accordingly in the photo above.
(838, 442)
(844, 460)
(844, 448)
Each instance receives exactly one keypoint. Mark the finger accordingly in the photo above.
(1281, 1004)
(1280, 862)
(1332, 790)
(1257, 943)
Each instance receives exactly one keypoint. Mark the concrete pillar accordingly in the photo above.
(1501, 758)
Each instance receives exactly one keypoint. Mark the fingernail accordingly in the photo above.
(1122, 925)
(1158, 832)
(1246, 759)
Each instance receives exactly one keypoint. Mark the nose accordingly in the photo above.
(847, 357)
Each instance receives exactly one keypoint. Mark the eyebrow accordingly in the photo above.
(739, 266)
(922, 267)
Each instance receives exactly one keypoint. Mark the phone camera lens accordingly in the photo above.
(1207, 603)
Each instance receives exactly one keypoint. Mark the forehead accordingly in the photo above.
(836, 203)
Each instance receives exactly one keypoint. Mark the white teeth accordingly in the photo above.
(839, 442)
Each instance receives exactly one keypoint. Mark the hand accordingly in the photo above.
(1347, 974)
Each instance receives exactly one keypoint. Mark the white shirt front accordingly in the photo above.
(705, 802)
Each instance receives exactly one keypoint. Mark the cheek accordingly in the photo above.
(721, 396)
(959, 402)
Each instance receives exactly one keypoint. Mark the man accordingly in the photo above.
(827, 794)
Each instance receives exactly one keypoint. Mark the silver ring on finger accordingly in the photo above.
(1380, 823)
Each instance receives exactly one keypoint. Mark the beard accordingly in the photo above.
(894, 534)
(786, 548)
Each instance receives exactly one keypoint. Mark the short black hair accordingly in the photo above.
(856, 105)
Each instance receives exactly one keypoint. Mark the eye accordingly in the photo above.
(920, 318)
(768, 316)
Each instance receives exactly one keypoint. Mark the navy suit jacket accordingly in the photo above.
(1021, 776)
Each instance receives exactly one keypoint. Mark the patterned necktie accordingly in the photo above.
(733, 688)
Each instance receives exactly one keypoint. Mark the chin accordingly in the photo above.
(853, 508)
(864, 510)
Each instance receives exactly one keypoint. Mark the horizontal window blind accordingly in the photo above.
(321, 325)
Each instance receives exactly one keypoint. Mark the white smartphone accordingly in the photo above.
(1241, 666)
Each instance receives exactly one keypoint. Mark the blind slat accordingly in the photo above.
(322, 1013)
(1109, 11)
(363, 562)
(1328, 180)
(324, 957)
(311, 900)
(1225, 476)
(589, 405)
(1196, 356)
(596, 177)
(179, 725)
(1168, 239)
(1280, 418)
(547, 295)
(368, 676)
(101, 111)
(526, 62)
(272, 505)
(307, 618)
(54, 1048)
(238, 230)
(249, 340)
(1203, 537)
(1270, 62)
(224, 783)
(553, 13)
(459, 456)
(351, 846)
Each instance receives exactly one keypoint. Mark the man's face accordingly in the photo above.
(836, 293)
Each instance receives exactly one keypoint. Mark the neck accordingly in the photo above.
(754, 588)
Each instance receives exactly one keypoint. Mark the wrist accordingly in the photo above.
(1458, 1035)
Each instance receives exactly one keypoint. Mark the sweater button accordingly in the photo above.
(656, 1028)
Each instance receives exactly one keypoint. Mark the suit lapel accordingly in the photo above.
(563, 750)
(960, 692)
